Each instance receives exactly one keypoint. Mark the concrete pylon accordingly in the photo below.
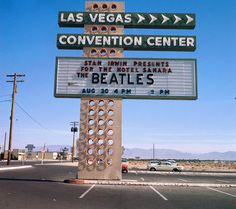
(99, 144)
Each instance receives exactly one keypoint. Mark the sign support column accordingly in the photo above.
(99, 144)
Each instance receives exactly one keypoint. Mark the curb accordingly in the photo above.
(132, 183)
(184, 173)
(15, 168)
(75, 164)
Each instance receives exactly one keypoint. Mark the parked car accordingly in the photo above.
(164, 166)
(124, 166)
(152, 165)
(172, 161)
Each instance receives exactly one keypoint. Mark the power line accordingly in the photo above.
(31, 117)
(6, 100)
(6, 95)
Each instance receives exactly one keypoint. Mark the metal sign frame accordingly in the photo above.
(163, 97)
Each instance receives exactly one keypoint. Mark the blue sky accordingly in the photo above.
(28, 30)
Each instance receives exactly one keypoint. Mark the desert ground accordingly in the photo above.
(192, 165)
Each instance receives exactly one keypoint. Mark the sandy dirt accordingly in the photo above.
(189, 165)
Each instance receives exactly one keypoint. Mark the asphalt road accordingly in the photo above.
(182, 178)
(42, 187)
(28, 162)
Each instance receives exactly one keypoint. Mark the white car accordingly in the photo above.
(172, 162)
(164, 166)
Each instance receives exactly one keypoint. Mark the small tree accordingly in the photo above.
(64, 153)
(30, 148)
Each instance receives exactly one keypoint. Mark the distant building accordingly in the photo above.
(18, 154)
(22, 154)
(44, 155)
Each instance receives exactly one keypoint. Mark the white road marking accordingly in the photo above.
(183, 180)
(216, 190)
(15, 168)
(129, 180)
(158, 193)
(142, 179)
(86, 192)
(223, 181)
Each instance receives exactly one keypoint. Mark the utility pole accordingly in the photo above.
(74, 129)
(4, 146)
(14, 81)
(153, 151)
(43, 153)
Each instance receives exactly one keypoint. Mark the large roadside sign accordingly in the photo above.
(128, 20)
(131, 78)
(127, 42)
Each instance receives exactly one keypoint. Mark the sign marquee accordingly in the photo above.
(95, 79)
(128, 20)
(130, 78)
(128, 42)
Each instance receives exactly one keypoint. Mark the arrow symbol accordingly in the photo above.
(165, 19)
(72, 83)
(141, 18)
(177, 19)
(153, 19)
(190, 19)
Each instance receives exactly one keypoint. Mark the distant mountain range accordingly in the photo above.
(159, 153)
(173, 154)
